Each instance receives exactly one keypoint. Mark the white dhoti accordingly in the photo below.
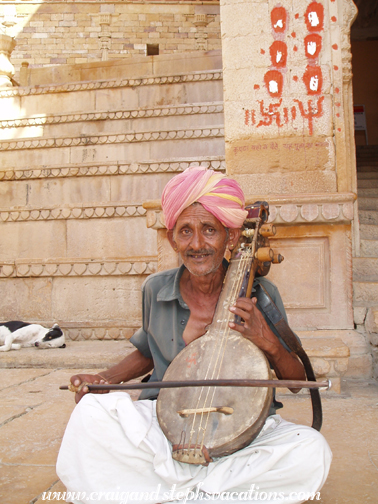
(114, 451)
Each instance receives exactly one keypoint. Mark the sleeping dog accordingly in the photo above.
(16, 334)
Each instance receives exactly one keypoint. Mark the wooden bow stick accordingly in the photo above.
(292, 384)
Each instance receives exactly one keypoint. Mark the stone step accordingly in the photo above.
(368, 175)
(367, 203)
(104, 230)
(136, 67)
(365, 269)
(116, 121)
(329, 356)
(128, 147)
(366, 150)
(368, 166)
(369, 231)
(367, 184)
(167, 165)
(369, 248)
(37, 193)
(365, 293)
(77, 184)
(368, 217)
(125, 94)
(369, 191)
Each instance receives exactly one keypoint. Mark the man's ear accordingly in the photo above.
(234, 235)
(171, 240)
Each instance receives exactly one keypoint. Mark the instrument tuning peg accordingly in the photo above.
(277, 258)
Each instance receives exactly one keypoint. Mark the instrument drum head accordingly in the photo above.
(220, 432)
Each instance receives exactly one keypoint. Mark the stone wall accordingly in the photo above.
(55, 33)
(78, 159)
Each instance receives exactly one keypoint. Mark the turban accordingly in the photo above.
(218, 194)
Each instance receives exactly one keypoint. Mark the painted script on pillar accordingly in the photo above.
(269, 112)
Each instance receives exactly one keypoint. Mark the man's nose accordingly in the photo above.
(197, 240)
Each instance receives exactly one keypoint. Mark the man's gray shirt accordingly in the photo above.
(165, 315)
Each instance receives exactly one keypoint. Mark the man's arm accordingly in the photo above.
(285, 364)
(132, 366)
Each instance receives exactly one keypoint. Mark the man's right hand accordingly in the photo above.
(79, 379)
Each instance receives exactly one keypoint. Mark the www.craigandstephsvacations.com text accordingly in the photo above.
(184, 496)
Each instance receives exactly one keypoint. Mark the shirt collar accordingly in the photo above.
(171, 290)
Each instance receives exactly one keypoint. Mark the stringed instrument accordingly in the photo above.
(207, 422)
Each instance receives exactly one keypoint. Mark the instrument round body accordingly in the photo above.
(220, 419)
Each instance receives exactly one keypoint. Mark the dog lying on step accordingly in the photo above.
(16, 334)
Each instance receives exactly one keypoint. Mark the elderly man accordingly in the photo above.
(114, 449)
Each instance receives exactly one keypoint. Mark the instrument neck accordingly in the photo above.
(234, 286)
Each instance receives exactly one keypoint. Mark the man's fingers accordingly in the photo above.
(240, 312)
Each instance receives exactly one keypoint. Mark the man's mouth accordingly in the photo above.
(199, 255)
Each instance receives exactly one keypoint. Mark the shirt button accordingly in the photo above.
(183, 322)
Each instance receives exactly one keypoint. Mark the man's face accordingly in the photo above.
(200, 239)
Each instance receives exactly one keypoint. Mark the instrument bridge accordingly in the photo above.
(226, 410)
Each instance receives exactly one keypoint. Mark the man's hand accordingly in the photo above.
(79, 379)
(254, 327)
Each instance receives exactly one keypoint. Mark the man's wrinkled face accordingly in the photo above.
(200, 239)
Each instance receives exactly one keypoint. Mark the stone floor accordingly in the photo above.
(34, 413)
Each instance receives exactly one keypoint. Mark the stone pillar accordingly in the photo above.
(200, 21)
(167, 257)
(105, 35)
(104, 20)
(289, 140)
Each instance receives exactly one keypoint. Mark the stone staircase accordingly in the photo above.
(365, 267)
(78, 159)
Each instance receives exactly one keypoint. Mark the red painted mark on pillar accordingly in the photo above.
(337, 115)
(296, 16)
(274, 82)
(333, 18)
(312, 112)
(337, 90)
(278, 54)
(338, 104)
(278, 17)
(313, 80)
(335, 47)
(335, 67)
(293, 34)
(295, 78)
(272, 113)
(338, 129)
(295, 48)
(293, 113)
(314, 17)
(246, 117)
(262, 51)
(256, 86)
(313, 45)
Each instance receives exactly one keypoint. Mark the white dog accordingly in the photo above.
(16, 334)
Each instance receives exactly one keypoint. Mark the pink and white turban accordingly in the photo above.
(218, 194)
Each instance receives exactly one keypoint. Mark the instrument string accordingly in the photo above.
(214, 368)
(201, 391)
(225, 330)
(245, 261)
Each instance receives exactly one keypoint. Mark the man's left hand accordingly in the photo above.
(254, 327)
